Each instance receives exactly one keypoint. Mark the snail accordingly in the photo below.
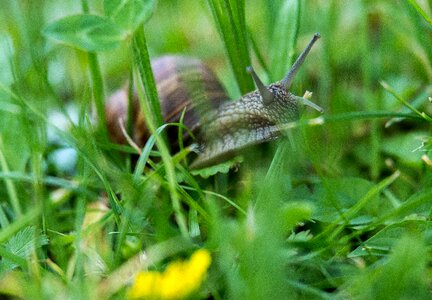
(223, 127)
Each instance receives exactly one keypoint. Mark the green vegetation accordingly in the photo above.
(339, 208)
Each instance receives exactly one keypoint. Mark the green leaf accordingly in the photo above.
(296, 212)
(403, 275)
(336, 196)
(406, 147)
(21, 246)
(129, 14)
(219, 168)
(16, 148)
(86, 32)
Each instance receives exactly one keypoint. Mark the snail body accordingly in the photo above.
(243, 123)
(223, 127)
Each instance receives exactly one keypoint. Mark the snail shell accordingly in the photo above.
(183, 83)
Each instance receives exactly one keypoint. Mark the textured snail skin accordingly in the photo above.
(239, 124)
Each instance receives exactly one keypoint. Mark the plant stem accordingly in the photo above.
(151, 110)
(97, 84)
(98, 92)
(9, 183)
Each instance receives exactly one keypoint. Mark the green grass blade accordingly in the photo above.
(420, 11)
(388, 88)
(10, 187)
(284, 39)
(333, 230)
(259, 55)
(151, 111)
(229, 17)
(97, 84)
(98, 92)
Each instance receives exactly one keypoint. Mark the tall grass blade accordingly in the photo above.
(151, 111)
(229, 17)
(420, 11)
(284, 39)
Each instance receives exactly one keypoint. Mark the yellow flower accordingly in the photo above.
(179, 280)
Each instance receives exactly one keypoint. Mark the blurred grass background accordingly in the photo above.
(347, 213)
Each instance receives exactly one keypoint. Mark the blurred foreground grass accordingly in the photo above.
(341, 210)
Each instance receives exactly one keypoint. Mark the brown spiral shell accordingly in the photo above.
(183, 83)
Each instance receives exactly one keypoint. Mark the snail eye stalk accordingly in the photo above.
(266, 94)
(287, 80)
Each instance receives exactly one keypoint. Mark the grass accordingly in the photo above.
(339, 208)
